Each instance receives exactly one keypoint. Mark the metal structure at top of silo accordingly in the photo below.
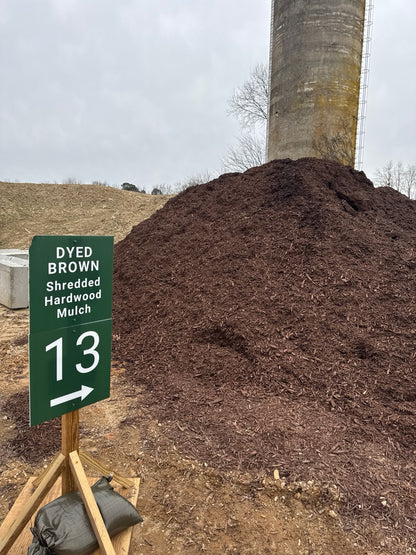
(315, 66)
(364, 81)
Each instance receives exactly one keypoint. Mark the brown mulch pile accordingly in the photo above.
(270, 319)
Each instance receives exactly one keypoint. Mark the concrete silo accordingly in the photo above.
(315, 61)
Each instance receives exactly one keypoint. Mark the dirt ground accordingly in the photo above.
(187, 505)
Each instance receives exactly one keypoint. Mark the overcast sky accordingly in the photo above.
(137, 90)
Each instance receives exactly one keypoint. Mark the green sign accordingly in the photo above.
(70, 286)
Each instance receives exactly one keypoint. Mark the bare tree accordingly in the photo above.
(249, 103)
(196, 179)
(249, 152)
(164, 189)
(409, 181)
(398, 176)
(384, 176)
(71, 181)
(169, 189)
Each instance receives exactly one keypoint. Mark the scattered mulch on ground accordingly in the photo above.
(22, 340)
(34, 444)
(270, 318)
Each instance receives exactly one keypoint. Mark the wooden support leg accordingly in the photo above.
(105, 470)
(70, 443)
(90, 504)
(36, 481)
(11, 530)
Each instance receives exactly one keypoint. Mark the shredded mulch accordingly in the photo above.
(34, 444)
(269, 318)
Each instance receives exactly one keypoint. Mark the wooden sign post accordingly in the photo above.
(70, 443)
(70, 359)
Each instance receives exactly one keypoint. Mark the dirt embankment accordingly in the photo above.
(29, 209)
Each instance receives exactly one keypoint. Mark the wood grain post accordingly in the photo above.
(70, 443)
(90, 505)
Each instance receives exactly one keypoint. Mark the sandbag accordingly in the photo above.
(62, 526)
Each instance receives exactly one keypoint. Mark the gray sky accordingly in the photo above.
(137, 90)
(391, 108)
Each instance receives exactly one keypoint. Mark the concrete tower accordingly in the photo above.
(315, 64)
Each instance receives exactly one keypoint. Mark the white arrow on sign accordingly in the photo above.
(83, 392)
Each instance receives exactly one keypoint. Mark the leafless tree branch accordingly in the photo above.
(398, 176)
(249, 103)
(249, 152)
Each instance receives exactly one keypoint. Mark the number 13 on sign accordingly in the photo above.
(73, 369)
(92, 351)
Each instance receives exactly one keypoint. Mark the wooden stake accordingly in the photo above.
(70, 443)
(105, 470)
(9, 535)
(38, 479)
(90, 504)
